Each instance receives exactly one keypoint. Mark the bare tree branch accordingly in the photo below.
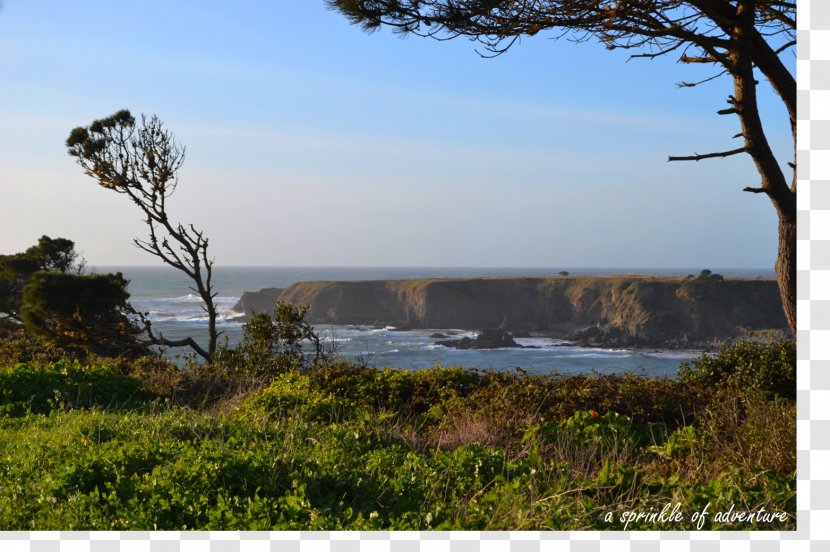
(702, 156)
(142, 161)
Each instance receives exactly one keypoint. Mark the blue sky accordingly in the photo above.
(310, 142)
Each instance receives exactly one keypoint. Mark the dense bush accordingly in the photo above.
(88, 312)
(64, 384)
(272, 345)
(17, 346)
(184, 469)
(769, 368)
(339, 446)
(293, 395)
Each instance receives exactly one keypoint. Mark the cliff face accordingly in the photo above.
(258, 301)
(624, 310)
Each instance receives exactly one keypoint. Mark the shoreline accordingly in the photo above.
(635, 311)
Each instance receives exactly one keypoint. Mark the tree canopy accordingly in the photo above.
(45, 290)
(88, 313)
(49, 254)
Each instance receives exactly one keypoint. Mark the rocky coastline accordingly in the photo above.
(594, 311)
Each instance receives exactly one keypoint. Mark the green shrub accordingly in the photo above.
(293, 395)
(769, 368)
(743, 428)
(409, 393)
(273, 345)
(644, 400)
(346, 447)
(39, 389)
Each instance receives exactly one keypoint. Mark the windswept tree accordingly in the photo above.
(142, 162)
(741, 39)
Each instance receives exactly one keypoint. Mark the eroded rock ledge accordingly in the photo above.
(601, 310)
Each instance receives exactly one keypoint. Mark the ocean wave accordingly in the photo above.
(194, 298)
(542, 342)
(673, 355)
(200, 316)
(597, 349)
(333, 339)
(189, 299)
(380, 330)
(589, 355)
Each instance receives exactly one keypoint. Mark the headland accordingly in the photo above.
(623, 311)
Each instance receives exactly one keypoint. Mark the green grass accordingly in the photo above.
(343, 447)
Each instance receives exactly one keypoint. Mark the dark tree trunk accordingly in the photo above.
(212, 327)
(773, 182)
(785, 265)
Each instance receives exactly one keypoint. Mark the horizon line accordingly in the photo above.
(465, 267)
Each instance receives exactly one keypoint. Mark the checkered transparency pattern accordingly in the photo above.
(813, 503)
(814, 273)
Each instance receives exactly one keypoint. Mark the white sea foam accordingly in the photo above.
(673, 355)
(332, 339)
(194, 298)
(541, 342)
(385, 329)
(597, 350)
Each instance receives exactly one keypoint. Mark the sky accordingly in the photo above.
(313, 143)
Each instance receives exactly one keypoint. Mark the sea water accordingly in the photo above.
(176, 311)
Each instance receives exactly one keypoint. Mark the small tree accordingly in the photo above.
(57, 255)
(274, 345)
(88, 313)
(142, 162)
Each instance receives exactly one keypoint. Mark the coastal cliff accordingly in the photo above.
(611, 310)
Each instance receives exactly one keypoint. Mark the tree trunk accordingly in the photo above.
(773, 182)
(212, 327)
(785, 265)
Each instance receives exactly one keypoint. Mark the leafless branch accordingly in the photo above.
(142, 161)
(701, 156)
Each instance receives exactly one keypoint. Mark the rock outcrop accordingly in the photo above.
(621, 310)
(262, 301)
(487, 339)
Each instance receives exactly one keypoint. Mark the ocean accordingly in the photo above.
(176, 312)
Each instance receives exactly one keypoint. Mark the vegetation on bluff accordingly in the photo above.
(140, 444)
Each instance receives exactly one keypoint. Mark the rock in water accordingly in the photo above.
(487, 339)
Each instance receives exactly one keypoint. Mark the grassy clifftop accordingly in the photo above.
(624, 310)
